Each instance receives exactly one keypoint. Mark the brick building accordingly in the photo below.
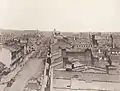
(88, 79)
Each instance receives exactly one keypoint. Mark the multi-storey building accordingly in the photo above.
(77, 70)
(85, 79)
(11, 56)
(83, 45)
(72, 75)
(63, 43)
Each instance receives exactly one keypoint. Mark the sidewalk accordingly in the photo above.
(16, 71)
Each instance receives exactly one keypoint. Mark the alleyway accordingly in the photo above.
(29, 70)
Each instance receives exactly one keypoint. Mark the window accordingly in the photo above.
(113, 52)
(84, 45)
(13, 55)
(68, 66)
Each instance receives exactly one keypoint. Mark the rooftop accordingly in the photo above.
(77, 85)
(93, 73)
(12, 47)
(75, 50)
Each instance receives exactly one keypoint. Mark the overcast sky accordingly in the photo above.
(64, 15)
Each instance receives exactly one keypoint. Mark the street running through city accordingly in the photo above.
(28, 71)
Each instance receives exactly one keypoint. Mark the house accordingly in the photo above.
(103, 40)
(87, 57)
(20, 42)
(28, 46)
(83, 45)
(12, 55)
(85, 78)
(114, 55)
(84, 56)
(77, 70)
(60, 43)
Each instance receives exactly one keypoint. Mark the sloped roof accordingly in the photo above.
(90, 69)
(12, 47)
(64, 40)
(94, 70)
(75, 50)
(58, 40)
(1, 66)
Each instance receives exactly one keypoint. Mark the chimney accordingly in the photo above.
(65, 60)
(107, 69)
(63, 52)
(93, 39)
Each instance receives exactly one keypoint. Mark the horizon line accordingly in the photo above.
(51, 30)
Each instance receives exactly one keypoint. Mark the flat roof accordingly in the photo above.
(101, 77)
(83, 86)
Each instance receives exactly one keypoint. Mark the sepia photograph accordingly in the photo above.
(59, 45)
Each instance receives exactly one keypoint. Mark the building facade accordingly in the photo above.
(11, 56)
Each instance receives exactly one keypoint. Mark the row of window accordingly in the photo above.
(16, 56)
(115, 52)
(18, 53)
(84, 46)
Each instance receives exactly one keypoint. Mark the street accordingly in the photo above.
(30, 69)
